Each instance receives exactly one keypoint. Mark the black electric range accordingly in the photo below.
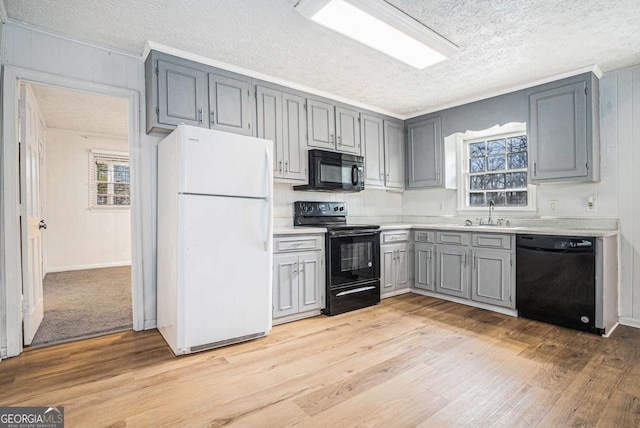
(352, 255)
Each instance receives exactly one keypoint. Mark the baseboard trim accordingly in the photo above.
(149, 325)
(83, 267)
(395, 293)
(505, 311)
(630, 322)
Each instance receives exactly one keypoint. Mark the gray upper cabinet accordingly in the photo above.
(371, 132)
(321, 125)
(230, 107)
(347, 130)
(425, 154)
(394, 154)
(181, 95)
(563, 130)
(281, 118)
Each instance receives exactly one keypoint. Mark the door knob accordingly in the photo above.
(42, 225)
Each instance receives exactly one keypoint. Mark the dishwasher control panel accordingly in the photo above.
(563, 244)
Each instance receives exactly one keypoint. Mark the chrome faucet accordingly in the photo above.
(492, 205)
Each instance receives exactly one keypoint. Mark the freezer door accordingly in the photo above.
(225, 270)
(221, 163)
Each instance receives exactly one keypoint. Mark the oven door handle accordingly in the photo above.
(355, 290)
(364, 232)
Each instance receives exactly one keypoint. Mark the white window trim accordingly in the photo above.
(102, 208)
(460, 140)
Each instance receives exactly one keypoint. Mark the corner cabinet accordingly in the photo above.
(563, 130)
(425, 154)
(298, 277)
(424, 256)
(281, 118)
(179, 90)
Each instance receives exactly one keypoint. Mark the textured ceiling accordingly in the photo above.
(503, 43)
(79, 111)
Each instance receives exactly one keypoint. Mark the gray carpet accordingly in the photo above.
(85, 303)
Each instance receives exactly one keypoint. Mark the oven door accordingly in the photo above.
(337, 174)
(353, 258)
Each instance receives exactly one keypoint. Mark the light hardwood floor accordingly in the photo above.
(410, 361)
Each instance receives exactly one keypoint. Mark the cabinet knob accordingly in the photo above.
(213, 117)
(200, 115)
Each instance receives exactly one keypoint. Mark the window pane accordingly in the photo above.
(121, 189)
(476, 164)
(497, 197)
(121, 200)
(102, 172)
(517, 160)
(496, 147)
(477, 150)
(495, 163)
(517, 198)
(516, 180)
(517, 144)
(476, 182)
(103, 188)
(494, 181)
(102, 200)
(121, 173)
(476, 199)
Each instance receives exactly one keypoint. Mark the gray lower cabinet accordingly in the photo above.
(281, 118)
(491, 277)
(425, 154)
(298, 275)
(453, 274)
(424, 275)
(564, 130)
(394, 267)
(230, 106)
(181, 95)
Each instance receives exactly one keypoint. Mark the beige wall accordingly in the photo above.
(77, 237)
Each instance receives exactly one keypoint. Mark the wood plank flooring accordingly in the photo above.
(411, 361)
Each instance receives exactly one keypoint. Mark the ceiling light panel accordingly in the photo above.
(381, 26)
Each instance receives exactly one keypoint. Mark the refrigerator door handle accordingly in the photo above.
(267, 169)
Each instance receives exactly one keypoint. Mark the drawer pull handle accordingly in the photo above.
(356, 290)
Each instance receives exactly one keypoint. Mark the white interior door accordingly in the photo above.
(31, 219)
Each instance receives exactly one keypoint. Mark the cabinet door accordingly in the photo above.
(402, 266)
(558, 133)
(491, 277)
(348, 130)
(424, 268)
(229, 104)
(387, 271)
(269, 124)
(394, 155)
(321, 125)
(181, 95)
(425, 153)
(294, 137)
(285, 285)
(371, 134)
(311, 283)
(452, 271)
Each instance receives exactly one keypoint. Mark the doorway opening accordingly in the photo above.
(75, 184)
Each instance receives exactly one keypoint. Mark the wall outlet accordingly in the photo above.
(553, 205)
(441, 206)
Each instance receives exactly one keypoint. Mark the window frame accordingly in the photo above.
(116, 157)
(462, 141)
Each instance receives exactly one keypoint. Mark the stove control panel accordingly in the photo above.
(319, 209)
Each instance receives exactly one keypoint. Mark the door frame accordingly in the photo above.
(11, 335)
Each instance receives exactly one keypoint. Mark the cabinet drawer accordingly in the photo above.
(491, 240)
(394, 236)
(297, 243)
(424, 236)
(452, 238)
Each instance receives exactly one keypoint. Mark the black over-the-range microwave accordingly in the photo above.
(334, 172)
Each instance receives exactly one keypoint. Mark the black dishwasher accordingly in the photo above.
(555, 280)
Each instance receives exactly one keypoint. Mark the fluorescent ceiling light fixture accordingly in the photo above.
(381, 26)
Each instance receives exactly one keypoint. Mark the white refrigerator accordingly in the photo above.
(214, 230)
